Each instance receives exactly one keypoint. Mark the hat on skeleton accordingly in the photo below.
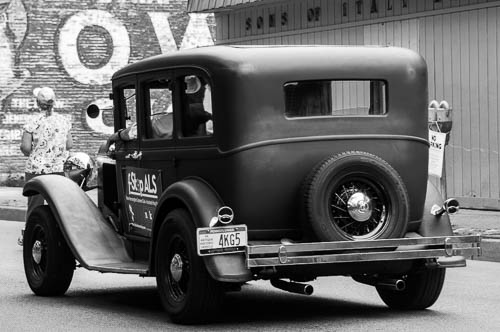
(193, 84)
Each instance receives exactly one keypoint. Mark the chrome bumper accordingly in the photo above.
(439, 248)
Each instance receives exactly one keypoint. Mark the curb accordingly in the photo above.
(490, 248)
(12, 213)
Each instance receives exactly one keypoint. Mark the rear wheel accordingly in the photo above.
(422, 290)
(48, 261)
(356, 196)
(187, 291)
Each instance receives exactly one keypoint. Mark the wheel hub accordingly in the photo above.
(176, 267)
(359, 207)
(36, 251)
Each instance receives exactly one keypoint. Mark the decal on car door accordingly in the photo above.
(143, 188)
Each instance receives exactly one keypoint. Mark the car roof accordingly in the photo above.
(283, 58)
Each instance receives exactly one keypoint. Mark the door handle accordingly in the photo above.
(136, 155)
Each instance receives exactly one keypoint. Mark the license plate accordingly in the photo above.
(221, 240)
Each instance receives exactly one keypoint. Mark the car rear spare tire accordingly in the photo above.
(356, 196)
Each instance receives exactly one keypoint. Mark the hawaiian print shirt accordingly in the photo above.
(49, 143)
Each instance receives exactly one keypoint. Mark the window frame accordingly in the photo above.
(124, 113)
(385, 93)
(180, 73)
(120, 118)
(146, 85)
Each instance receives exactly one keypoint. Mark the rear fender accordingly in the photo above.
(83, 226)
(202, 202)
(434, 225)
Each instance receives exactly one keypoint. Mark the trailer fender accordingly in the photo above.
(202, 202)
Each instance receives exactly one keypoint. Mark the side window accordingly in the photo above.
(128, 110)
(196, 108)
(128, 104)
(335, 98)
(159, 111)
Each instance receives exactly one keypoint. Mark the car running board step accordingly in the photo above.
(140, 268)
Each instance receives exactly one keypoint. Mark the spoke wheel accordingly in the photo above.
(356, 196)
(48, 261)
(187, 291)
(359, 208)
(39, 253)
(179, 274)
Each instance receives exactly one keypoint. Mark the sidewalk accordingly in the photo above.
(13, 203)
(486, 223)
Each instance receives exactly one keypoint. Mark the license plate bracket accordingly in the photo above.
(221, 240)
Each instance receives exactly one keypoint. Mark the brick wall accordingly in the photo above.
(74, 47)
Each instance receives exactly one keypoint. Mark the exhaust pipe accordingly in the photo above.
(388, 284)
(450, 206)
(293, 287)
(392, 284)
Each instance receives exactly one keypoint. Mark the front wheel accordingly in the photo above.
(48, 261)
(188, 293)
(422, 290)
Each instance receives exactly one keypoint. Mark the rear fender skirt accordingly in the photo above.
(434, 225)
(83, 226)
(202, 202)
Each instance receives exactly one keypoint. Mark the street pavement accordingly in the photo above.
(123, 302)
(465, 222)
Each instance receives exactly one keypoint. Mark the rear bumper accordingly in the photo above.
(447, 251)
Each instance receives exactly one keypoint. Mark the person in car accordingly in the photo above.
(195, 116)
(124, 134)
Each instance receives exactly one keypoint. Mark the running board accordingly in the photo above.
(362, 251)
(140, 268)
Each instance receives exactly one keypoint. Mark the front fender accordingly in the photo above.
(89, 236)
(434, 225)
(202, 202)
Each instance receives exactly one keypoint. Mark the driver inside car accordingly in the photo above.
(196, 118)
(124, 134)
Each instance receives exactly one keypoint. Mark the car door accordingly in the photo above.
(126, 152)
(197, 153)
(155, 169)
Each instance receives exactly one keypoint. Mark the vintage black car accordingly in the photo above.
(239, 163)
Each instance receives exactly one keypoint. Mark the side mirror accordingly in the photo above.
(93, 111)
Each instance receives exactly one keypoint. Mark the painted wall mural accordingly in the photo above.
(74, 47)
(13, 28)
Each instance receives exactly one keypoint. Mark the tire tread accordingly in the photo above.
(60, 260)
(312, 182)
(422, 291)
(206, 293)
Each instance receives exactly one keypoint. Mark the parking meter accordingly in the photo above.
(440, 117)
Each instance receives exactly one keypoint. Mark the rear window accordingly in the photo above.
(335, 98)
